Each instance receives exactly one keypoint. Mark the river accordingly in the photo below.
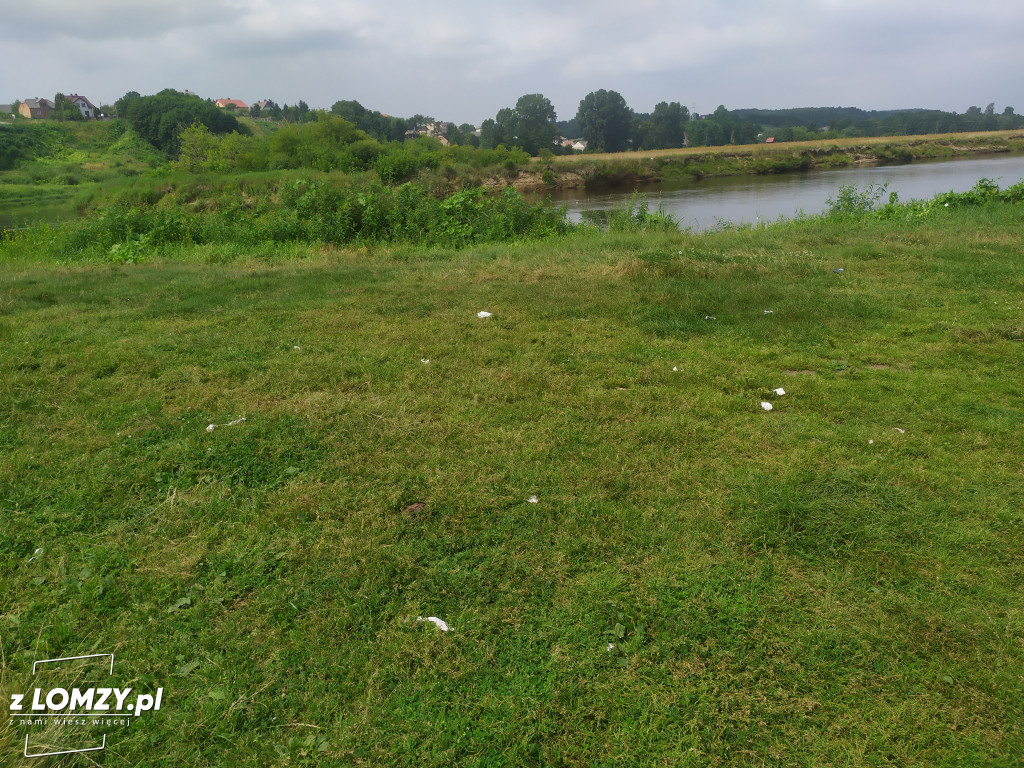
(756, 199)
(750, 199)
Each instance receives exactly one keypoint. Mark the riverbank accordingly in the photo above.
(251, 470)
(627, 169)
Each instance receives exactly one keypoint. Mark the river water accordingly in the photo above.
(750, 199)
(753, 199)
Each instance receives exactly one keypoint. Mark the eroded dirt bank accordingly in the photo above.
(644, 167)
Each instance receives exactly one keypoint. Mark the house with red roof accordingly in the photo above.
(86, 107)
(238, 104)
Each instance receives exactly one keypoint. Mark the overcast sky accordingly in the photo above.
(463, 61)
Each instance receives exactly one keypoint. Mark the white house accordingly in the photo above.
(86, 107)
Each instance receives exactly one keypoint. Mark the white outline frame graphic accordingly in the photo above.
(71, 658)
(75, 658)
(68, 751)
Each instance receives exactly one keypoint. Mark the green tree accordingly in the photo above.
(324, 144)
(196, 147)
(604, 121)
(123, 105)
(667, 126)
(469, 135)
(351, 110)
(988, 121)
(65, 109)
(272, 110)
(500, 130)
(487, 134)
(533, 123)
(529, 126)
(160, 119)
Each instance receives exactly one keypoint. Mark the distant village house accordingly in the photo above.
(36, 108)
(238, 104)
(86, 107)
(433, 130)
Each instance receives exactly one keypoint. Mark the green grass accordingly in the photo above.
(836, 582)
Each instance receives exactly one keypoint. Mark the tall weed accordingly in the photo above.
(306, 211)
(635, 216)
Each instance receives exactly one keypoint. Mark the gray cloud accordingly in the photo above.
(101, 21)
(465, 60)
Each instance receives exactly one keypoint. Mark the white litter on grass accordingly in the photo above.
(675, 367)
(871, 442)
(839, 270)
(483, 314)
(211, 427)
(38, 550)
(296, 347)
(532, 499)
(710, 317)
(424, 360)
(769, 311)
(901, 431)
(610, 648)
(766, 406)
(780, 391)
(433, 619)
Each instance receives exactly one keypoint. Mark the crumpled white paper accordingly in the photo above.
(483, 314)
(532, 499)
(211, 427)
(433, 619)
(779, 391)
(766, 406)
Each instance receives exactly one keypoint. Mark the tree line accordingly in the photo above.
(603, 120)
(607, 124)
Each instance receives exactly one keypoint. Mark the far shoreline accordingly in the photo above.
(624, 169)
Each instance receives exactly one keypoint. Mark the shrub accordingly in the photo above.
(635, 216)
(854, 202)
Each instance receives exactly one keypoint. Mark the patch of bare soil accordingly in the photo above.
(531, 181)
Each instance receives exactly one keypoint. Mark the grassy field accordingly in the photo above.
(637, 563)
(623, 169)
(995, 139)
(53, 171)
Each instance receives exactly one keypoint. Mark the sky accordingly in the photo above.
(463, 61)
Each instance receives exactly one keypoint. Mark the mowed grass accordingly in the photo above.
(956, 139)
(700, 582)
